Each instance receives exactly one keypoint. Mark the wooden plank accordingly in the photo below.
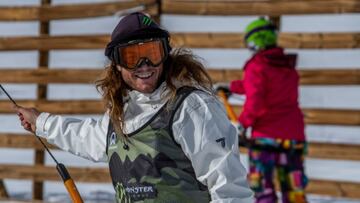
(207, 40)
(334, 188)
(276, 20)
(286, 40)
(44, 43)
(45, 76)
(16, 200)
(334, 151)
(330, 77)
(312, 116)
(58, 107)
(43, 63)
(22, 141)
(307, 77)
(3, 192)
(319, 40)
(60, 75)
(262, 7)
(101, 175)
(316, 149)
(71, 11)
(43, 173)
(325, 116)
(189, 40)
(332, 116)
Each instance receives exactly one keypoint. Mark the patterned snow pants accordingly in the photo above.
(288, 165)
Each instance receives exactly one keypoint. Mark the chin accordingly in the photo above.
(147, 89)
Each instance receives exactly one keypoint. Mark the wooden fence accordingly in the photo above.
(44, 76)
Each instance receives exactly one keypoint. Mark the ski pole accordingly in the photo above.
(68, 181)
(8, 95)
(228, 108)
(243, 140)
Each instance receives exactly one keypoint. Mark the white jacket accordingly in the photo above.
(199, 122)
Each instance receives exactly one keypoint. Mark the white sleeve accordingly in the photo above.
(85, 138)
(209, 140)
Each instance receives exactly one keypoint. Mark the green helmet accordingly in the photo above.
(260, 34)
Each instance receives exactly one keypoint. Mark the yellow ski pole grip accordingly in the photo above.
(227, 106)
(69, 184)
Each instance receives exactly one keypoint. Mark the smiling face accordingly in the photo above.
(143, 79)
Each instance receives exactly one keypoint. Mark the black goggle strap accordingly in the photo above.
(265, 27)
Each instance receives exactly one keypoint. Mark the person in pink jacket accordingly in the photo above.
(272, 111)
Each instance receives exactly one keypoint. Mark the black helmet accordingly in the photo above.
(135, 26)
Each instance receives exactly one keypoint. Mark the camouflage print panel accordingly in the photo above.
(149, 166)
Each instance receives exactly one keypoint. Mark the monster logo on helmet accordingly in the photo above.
(260, 34)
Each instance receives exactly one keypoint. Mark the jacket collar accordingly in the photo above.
(156, 96)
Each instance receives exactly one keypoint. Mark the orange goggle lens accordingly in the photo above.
(131, 56)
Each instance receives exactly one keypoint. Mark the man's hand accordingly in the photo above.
(243, 139)
(27, 117)
(222, 87)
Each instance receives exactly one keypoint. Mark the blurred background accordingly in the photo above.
(62, 51)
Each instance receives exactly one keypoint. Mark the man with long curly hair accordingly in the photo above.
(165, 135)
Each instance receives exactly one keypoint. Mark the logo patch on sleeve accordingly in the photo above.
(113, 138)
(221, 141)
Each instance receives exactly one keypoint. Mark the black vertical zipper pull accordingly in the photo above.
(126, 146)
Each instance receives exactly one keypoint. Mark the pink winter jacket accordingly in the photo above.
(271, 87)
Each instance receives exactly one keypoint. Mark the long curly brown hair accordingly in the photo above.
(180, 66)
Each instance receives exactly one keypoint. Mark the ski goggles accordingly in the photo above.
(132, 55)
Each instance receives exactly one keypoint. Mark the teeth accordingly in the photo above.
(143, 75)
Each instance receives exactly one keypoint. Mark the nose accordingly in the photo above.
(145, 61)
(143, 66)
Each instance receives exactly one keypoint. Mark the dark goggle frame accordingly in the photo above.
(118, 60)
